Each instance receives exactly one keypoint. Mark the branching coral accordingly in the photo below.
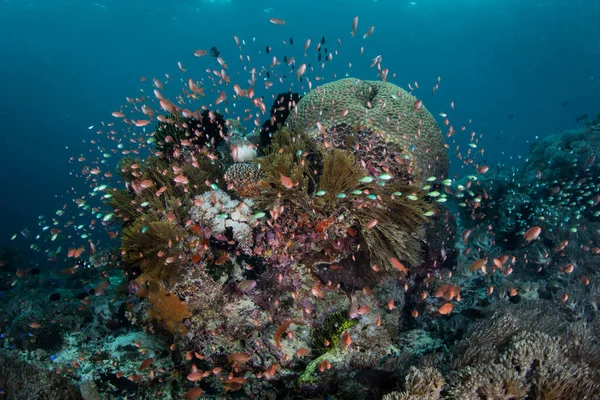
(421, 384)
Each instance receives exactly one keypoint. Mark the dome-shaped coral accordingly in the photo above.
(383, 109)
(244, 179)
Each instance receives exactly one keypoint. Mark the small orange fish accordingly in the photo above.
(145, 364)
(479, 264)
(193, 393)
(585, 281)
(239, 358)
(222, 259)
(567, 269)
(414, 313)
(323, 365)
(378, 323)
(532, 233)
(564, 297)
(371, 224)
(562, 245)
(35, 325)
(490, 290)
(446, 309)
(418, 104)
(399, 266)
(302, 352)
(286, 182)
(200, 53)
(345, 340)
(390, 305)
(277, 21)
(142, 122)
(512, 292)
(194, 376)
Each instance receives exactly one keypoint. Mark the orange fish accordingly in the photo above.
(447, 292)
(277, 21)
(193, 393)
(446, 309)
(35, 325)
(562, 245)
(323, 365)
(200, 53)
(585, 281)
(418, 104)
(222, 260)
(301, 352)
(372, 224)
(286, 182)
(390, 305)
(399, 266)
(181, 179)
(479, 264)
(239, 358)
(142, 122)
(354, 25)
(568, 268)
(532, 233)
(194, 376)
(145, 364)
(346, 340)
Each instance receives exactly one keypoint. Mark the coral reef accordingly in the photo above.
(326, 255)
(22, 380)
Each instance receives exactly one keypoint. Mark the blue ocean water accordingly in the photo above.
(516, 71)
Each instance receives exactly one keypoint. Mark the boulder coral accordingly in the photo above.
(383, 109)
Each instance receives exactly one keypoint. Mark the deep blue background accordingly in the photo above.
(66, 65)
